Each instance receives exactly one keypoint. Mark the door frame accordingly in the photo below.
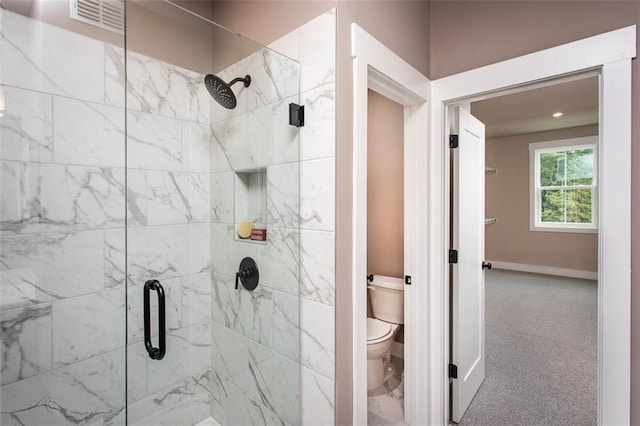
(377, 68)
(610, 54)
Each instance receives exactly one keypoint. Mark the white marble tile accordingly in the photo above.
(114, 258)
(317, 194)
(221, 239)
(81, 197)
(137, 359)
(87, 326)
(197, 139)
(317, 337)
(283, 195)
(247, 312)
(274, 77)
(88, 133)
(114, 71)
(20, 287)
(229, 353)
(287, 45)
(26, 127)
(196, 299)
(318, 51)
(154, 142)
(318, 399)
(20, 208)
(245, 410)
(245, 140)
(184, 403)
(282, 260)
(188, 355)
(219, 161)
(177, 197)
(317, 256)
(41, 57)
(81, 393)
(222, 199)
(286, 138)
(274, 380)
(218, 401)
(318, 135)
(66, 265)
(164, 89)
(286, 325)
(26, 342)
(168, 251)
(208, 422)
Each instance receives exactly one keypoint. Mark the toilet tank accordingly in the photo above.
(387, 298)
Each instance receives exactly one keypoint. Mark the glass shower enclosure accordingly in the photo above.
(131, 200)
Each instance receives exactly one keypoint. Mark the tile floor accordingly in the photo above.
(385, 405)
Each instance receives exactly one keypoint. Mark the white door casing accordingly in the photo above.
(467, 327)
(609, 54)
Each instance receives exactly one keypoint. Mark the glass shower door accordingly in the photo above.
(62, 210)
(210, 186)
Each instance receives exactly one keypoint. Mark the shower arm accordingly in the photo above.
(246, 80)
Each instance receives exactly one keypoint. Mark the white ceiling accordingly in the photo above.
(530, 111)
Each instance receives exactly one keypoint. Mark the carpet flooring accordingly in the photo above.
(541, 352)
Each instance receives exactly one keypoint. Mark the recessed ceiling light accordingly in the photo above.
(557, 114)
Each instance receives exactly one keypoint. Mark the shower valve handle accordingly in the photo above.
(248, 274)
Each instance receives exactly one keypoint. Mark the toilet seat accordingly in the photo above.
(378, 330)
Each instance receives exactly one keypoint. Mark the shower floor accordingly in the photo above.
(385, 405)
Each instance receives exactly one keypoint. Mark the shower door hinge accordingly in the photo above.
(296, 115)
(453, 256)
(453, 371)
(453, 141)
(407, 279)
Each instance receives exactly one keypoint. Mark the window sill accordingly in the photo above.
(567, 229)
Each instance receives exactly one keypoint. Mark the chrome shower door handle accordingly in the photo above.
(159, 352)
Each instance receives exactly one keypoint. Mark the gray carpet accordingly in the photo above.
(541, 347)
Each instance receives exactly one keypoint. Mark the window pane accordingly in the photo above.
(580, 167)
(579, 205)
(552, 168)
(552, 206)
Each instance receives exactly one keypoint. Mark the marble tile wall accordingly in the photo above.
(63, 214)
(273, 352)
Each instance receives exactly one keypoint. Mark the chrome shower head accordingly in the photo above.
(221, 91)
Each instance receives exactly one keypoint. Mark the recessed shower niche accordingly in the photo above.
(250, 204)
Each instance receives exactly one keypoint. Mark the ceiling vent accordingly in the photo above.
(106, 14)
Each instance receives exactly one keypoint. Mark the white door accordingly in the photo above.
(467, 351)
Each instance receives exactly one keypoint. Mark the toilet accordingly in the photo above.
(387, 303)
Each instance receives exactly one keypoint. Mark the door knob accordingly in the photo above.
(486, 265)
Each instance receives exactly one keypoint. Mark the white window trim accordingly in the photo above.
(534, 217)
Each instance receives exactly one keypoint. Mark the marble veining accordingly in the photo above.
(317, 263)
(26, 342)
(26, 126)
(19, 199)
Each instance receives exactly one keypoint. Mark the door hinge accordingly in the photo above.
(453, 371)
(407, 279)
(296, 115)
(453, 256)
(453, 141)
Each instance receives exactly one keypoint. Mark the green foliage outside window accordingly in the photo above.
(566, 179)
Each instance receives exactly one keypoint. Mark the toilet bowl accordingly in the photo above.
(387, 303)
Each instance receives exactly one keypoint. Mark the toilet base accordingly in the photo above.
(379, 370)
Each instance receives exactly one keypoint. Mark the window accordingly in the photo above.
(564, 187)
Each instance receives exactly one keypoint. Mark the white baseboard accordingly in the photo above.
(397, 349)
(547, 270)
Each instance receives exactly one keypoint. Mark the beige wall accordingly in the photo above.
(507, 198)
(385, 187)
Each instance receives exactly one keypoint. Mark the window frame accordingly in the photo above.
(535, 192)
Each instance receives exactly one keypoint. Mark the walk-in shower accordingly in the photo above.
(118, 170)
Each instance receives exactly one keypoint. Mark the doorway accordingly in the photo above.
(539, 282)
(613, 62)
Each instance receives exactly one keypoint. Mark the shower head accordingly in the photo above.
(221, 91)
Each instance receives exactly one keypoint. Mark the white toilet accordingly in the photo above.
(387, 303)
